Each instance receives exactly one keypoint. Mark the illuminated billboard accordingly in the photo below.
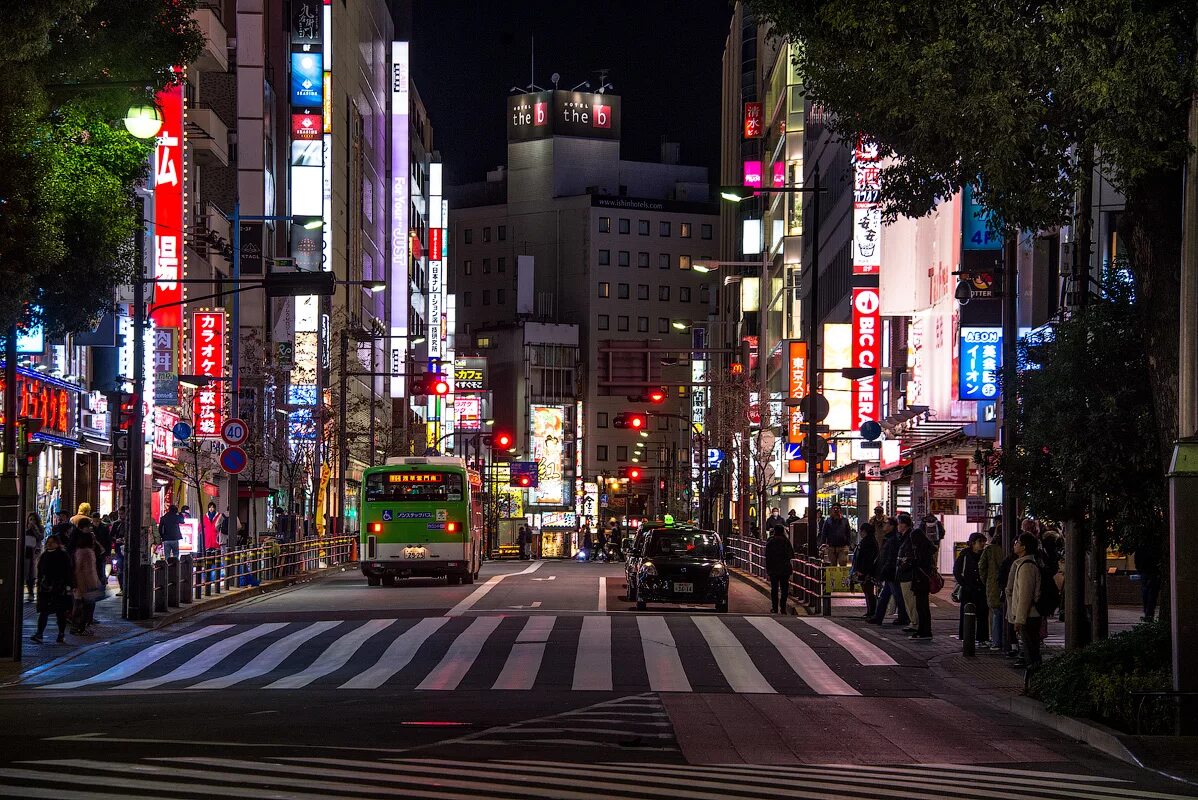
(560, 113)
(307, 80)
(547, 432)
(208, 360)
(400, 73)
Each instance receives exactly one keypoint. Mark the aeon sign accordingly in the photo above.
(558, 113)
(867, 353)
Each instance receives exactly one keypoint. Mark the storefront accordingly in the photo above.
(559, 533)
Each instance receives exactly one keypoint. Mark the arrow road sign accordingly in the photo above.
(233, 460)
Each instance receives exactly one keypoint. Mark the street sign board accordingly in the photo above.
(120, 445)
(182, 431)
(976, 508)
(234, 431)
(233, 460)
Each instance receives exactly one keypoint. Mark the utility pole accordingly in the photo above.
(11, 525)
(813, 366)
(1183, 471)
(1010, 333)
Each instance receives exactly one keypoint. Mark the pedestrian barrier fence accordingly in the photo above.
(190, 578)
(812, 582)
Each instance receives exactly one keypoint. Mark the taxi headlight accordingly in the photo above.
(648, 570)
(719, 571)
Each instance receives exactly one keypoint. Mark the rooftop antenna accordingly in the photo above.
(555, 77)
(532, 66)
(603, 84)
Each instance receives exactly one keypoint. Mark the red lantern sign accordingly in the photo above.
(168, 210)
(208, 360)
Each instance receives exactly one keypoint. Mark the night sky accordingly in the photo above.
(663, 58)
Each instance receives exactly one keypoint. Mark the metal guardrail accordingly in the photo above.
(190, 578)
(807, 579)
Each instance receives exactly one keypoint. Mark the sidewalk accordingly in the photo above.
(111, 627)
(992, 678)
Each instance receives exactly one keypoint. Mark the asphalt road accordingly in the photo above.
(539, 680)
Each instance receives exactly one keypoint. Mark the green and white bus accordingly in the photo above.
(421, 517)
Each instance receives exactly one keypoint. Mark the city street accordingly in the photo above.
(538, 681)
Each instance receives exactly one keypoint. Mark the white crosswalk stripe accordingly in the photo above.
(589, 654)
(323, 778)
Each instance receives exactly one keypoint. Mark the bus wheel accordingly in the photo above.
(452, 580)
(373, 581)
(388, 580)
(467, 578)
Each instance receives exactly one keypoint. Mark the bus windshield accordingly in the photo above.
(419, 487)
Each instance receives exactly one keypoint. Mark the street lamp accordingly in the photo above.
(143, 121)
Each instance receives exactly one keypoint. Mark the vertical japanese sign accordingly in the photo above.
(867, 213)
(547, 434)
(796, 387)
(948, 477)
(166, 367)
(752, 120)
(867, 353)
(399, 284)
(980, 363)
(168, 210)
(208, 360)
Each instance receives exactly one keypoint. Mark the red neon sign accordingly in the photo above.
(867, 352)
(752, 120)
(168, 209)
(797, 388)
(208, 359)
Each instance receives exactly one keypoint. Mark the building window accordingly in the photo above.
(604, 257)
(486, 266)
(501, 265)
(467, 236)
(605, 224)
(642, 324)
(663, 261)
(684, 262)
(684, 230)
(622, 453)
(663, 292)
(684, 294)
(502, 230)
(705, 231)
(663, 325)
(705, 294)
(483, 342)
(663, 229)
(625, 225)
(621, 323)
(624, 258)
(642, 260)
(500, 294)
(487, 234)
(601, 419)
(642, 227)
(604, 289)
(486, 297)
(467, 267)
(601, 453)
(642, 291)
(466, 299)
(622, 291)
(604, 322)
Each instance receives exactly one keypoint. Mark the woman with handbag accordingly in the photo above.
(55, 575)
(33, 548)
(972, 589)
(87, 582)
(923, 575)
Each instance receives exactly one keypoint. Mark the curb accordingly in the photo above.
(181, 614)
(1095, 735)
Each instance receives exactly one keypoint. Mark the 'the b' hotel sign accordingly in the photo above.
(558, 113)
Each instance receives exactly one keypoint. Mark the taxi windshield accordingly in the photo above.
(683, 544)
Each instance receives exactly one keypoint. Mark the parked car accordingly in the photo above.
(678, 564)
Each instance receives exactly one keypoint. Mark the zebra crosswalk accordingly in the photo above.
(657, 653)
(322, 778)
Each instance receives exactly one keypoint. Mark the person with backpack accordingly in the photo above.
(989, 566)
(1024, 589)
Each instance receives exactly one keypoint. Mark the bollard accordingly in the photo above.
(969, 630)
(172, 581)
(160, 586)
(187, 579)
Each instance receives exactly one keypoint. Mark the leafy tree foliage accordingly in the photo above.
(1082, 411)
(68, 169)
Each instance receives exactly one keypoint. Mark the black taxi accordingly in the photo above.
(677, 564)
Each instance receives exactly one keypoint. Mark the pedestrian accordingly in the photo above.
(778, 554)
(887, 572)
(120, 527)
(865, 565)
(170, 532)
(989, 566)
(834, 538)
(1010, 642)
(972, 589)
(85, 512)
(522, 542)
(55, 577)
(933, 528)
(922, 567)
(87, 581)
(774, 519)
(792, 519)
(210, 527)
(587, 543)
(63, 529)
(103, 536)
(1148, 568)
(1023, 590)
(32, 549)
(905, 570)
(878, 520)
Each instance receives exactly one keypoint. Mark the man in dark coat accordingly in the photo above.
(967, 574)
(171, 532)
(887, 571)
(835, 537)
(865, 565)
(778, 554)
(921, 566)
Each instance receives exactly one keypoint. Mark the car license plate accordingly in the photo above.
(684, 588)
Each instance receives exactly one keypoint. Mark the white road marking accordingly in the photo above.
(397, 655)
(151, 655)
(661, 656)
(209, 658)
(603, 594)
(524, 662)
(802, 659)
(335, 657)
(592, 660)
(736, 664)
(866, 653)
(481, 592)
(271, 657)
(461, 656)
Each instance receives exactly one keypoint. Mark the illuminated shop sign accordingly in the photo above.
(867, 353)
(307, 80)
(980, 362)
(752, 120)
(168, 211)
(208, 360)
(547, 437)
(560, 113)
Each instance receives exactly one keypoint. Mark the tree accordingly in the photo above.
(1018, 97)
(68, 169)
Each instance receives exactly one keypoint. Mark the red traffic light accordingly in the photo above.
(502, 440)
(634, 473)
(636, 422)
(440, 387)
(525, 480)
(657, 396)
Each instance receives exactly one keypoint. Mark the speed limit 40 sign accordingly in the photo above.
(234, 431)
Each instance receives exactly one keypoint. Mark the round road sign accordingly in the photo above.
(821, 410)
(234, 431)
(233, 460)
(182, 431)
(870, 430)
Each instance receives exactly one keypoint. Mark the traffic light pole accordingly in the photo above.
(813, 362)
